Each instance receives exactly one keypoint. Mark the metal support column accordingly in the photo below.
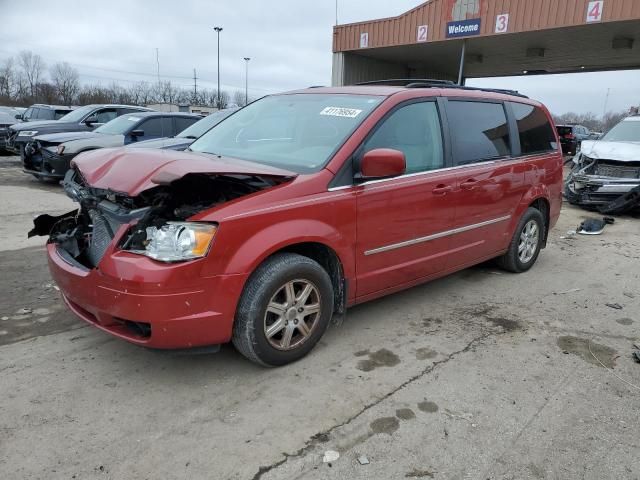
(461, 71)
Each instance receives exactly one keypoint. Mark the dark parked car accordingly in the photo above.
(185, 138)
(6, 120)
(571, 136)
(48, 156)
(300, 205)
(81, 119)
(40, 112)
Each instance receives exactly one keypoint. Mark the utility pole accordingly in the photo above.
(246, 80)
(218, 30)
(336, 12)
(606, 103)
(195, 87)
(158, 64)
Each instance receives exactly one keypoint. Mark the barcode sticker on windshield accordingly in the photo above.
(341, 112)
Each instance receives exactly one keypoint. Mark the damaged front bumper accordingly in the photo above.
(44, 162)
(597, 190)
(138, 300)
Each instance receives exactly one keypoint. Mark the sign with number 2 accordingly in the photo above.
(422, 33)
(594, 11)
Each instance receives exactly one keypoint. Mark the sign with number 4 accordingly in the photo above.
(502, 23)
(594, 11)
(422, 33)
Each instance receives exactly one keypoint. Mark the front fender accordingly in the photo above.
(243, 257)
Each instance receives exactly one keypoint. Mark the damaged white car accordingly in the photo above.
(606, 172)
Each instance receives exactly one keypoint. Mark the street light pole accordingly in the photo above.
(218, 30)
(246, 80)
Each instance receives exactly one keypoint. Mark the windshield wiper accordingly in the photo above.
(190, 137)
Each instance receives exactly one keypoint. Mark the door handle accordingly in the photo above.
(469, 184)
(441, 189)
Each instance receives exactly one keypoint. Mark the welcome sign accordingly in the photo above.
(463, 28)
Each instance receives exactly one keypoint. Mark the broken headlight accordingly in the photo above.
(178, 241)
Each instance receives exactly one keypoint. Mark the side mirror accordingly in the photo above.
(137, 133)
(18, 116)
(382, 163)
(91, 119)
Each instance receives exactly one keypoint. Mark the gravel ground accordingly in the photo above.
(480, 375)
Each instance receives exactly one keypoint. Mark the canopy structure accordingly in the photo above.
(457, 39)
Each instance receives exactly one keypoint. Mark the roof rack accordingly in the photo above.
(430, 83)
(410, 82)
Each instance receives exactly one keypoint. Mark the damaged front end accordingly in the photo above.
(153, 223)
(608, 185)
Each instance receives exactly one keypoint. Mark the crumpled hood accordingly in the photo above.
(616, 151)
(134, 171)
(66, 137)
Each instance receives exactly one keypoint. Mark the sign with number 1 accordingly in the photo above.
(594, 11)
(364, 40)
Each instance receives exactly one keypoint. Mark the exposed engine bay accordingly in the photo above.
(154, 218)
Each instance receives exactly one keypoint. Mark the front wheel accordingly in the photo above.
(285, 308)
(526, 243)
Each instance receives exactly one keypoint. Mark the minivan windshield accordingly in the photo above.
(297, 132)
(625, 131)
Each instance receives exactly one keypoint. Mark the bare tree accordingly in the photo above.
(33, 68)
(141, 93)
(66, 80)
(223, 100)
(239, 98)
(7, 79)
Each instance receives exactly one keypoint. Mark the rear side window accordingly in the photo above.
(535, 131)
(479, 131)
(46, 114)
(59, 114)
(414, 130)
(182, 123)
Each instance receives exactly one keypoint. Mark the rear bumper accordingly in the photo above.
(167, 306)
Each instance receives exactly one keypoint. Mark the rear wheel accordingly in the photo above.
(526, 243)
(285, 308)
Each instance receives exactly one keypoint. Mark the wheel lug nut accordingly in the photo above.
(300, 310)
(295, 322)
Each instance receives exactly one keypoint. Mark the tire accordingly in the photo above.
(512, 261)
(268, 287)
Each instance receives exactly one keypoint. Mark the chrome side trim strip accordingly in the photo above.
(435, 236)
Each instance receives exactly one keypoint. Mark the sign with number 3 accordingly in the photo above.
(594, 11)
(502, 23)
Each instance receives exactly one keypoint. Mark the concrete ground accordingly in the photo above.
(481, 375)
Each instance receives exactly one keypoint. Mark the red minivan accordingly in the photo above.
(299, 206)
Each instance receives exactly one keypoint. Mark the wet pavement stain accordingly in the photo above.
(507, 324)
(428, 407)
(381, 358)
(624, 321)
(386, 425)
(580, 347)
(425, 353)
(405, 414)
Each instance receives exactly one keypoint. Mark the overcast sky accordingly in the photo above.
(289, 42)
